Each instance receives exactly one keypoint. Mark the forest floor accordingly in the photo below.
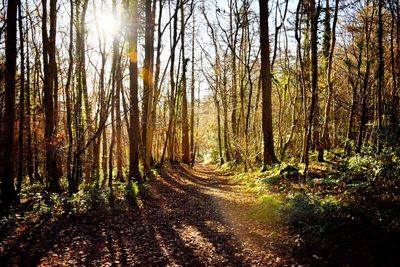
(191, 216)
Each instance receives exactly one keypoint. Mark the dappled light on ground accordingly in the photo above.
(201, 217)
(192, 217)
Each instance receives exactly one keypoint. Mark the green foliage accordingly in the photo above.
(269, 208)
(379, 169)
(89, 198)
(229, 166)
(132, 193)
(271, 180)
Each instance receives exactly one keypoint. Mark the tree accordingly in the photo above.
(380, 72)
(313, 115)
(134, 173)
(21, 102)
(8, 194)
(265, 72)
(72, 186)
(185, 123)
(147, 86)
(49, 50)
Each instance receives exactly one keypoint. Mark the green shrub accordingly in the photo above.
(132, 193)
(269, 208)
(377, 168)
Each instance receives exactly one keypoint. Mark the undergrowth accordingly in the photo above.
(38, 204)
(350, 206)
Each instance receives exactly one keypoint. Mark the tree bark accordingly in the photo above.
(21, 103)
(312, 119)
(185, 126)
(134, 173)
(192, 98)
(8, 194)
(28, 113)
(147, 87)
(52, 173)
(380, 73)
(269, 153)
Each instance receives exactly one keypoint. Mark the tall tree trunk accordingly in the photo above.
(8, 194)
(313, 118)
(35, 97)
(354, 101)
(72, 187)
(217, 105)
(364, 92)
(157, 72)
(104, 158)
(54, 76)
(233, 41)
(111, 153)
(224, 99)
(380, 73)
(192, 98)
(185, 124)
(147, 87)
(102, 117)
(88, 109)
(118, 121)
(134, 173)
(114, 80)
(81, 92)
(331, 42)
(28, 112)
(52, 173)
(172, 100)
(21, 103)
(269, 153)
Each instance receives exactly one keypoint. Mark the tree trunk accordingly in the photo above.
(233, 41)
(331, 40)
(8, 194)
(21, 103)
(72, 187)
(192, 99)
(269, 153)
(313, 118)
(147, 87)
(88, 109)
(364, 92)
(118, 122)
(221, 158)
(172, 96)
(52, 173)
(380, 73)
(134, 173)
(28, 114)
(185, 124)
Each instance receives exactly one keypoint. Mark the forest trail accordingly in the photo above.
(193, 217)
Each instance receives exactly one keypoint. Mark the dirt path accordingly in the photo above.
(194, 217)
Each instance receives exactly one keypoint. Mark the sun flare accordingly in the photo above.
(107, 23)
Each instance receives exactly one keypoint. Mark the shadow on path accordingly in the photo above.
(179, 225)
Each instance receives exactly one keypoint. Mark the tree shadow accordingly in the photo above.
(171, 227)
(340, 236)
